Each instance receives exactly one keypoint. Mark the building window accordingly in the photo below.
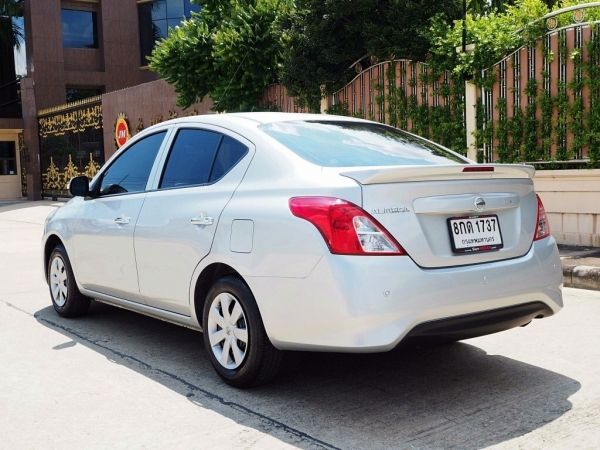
(8, 158)
(79, 29)
(79, 93)
(156, 17)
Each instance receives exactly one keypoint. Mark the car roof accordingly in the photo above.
(269, 117)
(253, 118)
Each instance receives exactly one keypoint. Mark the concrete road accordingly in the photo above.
(115, 379)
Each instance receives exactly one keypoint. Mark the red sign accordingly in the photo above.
(121, 131)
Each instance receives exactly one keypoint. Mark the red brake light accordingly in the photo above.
(542, 228)
(478, 169)
(346, 228)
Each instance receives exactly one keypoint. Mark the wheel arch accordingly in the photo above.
(206, 279)
(52, 241)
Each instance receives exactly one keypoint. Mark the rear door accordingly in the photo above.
(176, 227)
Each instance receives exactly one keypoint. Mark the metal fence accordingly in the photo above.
(70, 144)
(542, 103)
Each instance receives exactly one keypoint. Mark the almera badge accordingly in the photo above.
(121, 130)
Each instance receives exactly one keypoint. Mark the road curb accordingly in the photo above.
(582, 277)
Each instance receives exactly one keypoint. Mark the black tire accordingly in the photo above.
(73, 303)
(262, 361)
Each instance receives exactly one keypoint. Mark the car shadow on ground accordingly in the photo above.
(453, 396)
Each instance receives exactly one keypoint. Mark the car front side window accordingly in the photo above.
(130, 171)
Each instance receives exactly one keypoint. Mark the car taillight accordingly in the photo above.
(346, 228)
(542, 228)
(478, 169)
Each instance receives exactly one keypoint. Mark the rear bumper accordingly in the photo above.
(481, 323)
(369, 304)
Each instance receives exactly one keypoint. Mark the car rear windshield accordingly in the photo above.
(352, 144)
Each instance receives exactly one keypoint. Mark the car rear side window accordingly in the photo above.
(229, 154)
(200, 157)
(130, 171)
(191, 158)
(352, 144)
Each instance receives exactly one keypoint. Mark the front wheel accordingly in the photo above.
(234, 336)
(66, 298)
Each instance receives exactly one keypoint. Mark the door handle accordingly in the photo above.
(202, 220)
(122, 220)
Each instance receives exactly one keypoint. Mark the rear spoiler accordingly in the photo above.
(401, 174)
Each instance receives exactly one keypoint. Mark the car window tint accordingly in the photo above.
(191, 158)
(353, 144)
(230, 153)
(130, 171)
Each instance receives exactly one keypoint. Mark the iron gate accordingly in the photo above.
(70, 144)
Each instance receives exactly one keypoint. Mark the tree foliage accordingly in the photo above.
(495, 31)
(494, 34)
(327, 36)
(230, 50)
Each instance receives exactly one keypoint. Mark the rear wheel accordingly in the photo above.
(66, 298)
(234, 336)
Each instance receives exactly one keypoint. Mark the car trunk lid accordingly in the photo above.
(419, 205)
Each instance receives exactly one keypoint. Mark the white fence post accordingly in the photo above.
(471, 118)
(324, 106)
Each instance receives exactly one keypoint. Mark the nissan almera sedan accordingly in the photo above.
(272, 232)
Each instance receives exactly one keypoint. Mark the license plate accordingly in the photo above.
(475, 234)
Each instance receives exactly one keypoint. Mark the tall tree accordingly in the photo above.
(229, 51)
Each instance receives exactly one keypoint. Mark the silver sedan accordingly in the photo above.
(274, 232)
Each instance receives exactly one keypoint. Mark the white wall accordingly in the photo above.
(572, 201)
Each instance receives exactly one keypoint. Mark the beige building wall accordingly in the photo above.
(10, 185)
(572, 201)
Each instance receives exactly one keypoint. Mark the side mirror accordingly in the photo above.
(79, 186)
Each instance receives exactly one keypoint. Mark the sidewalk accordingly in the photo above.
(581, 266)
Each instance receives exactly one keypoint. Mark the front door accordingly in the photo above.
(177, 223)
(102, 246)
(10, 181)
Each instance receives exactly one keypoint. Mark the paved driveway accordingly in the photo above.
(116, 379)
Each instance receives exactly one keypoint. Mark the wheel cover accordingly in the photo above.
(58, 281)
(227, 330)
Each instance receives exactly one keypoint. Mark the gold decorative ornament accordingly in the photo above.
(578, 15)
(156, 119)
(76, 121)
(551, 23)
(57, 180)
(91, 168)
(52, 179)
(70, 172)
